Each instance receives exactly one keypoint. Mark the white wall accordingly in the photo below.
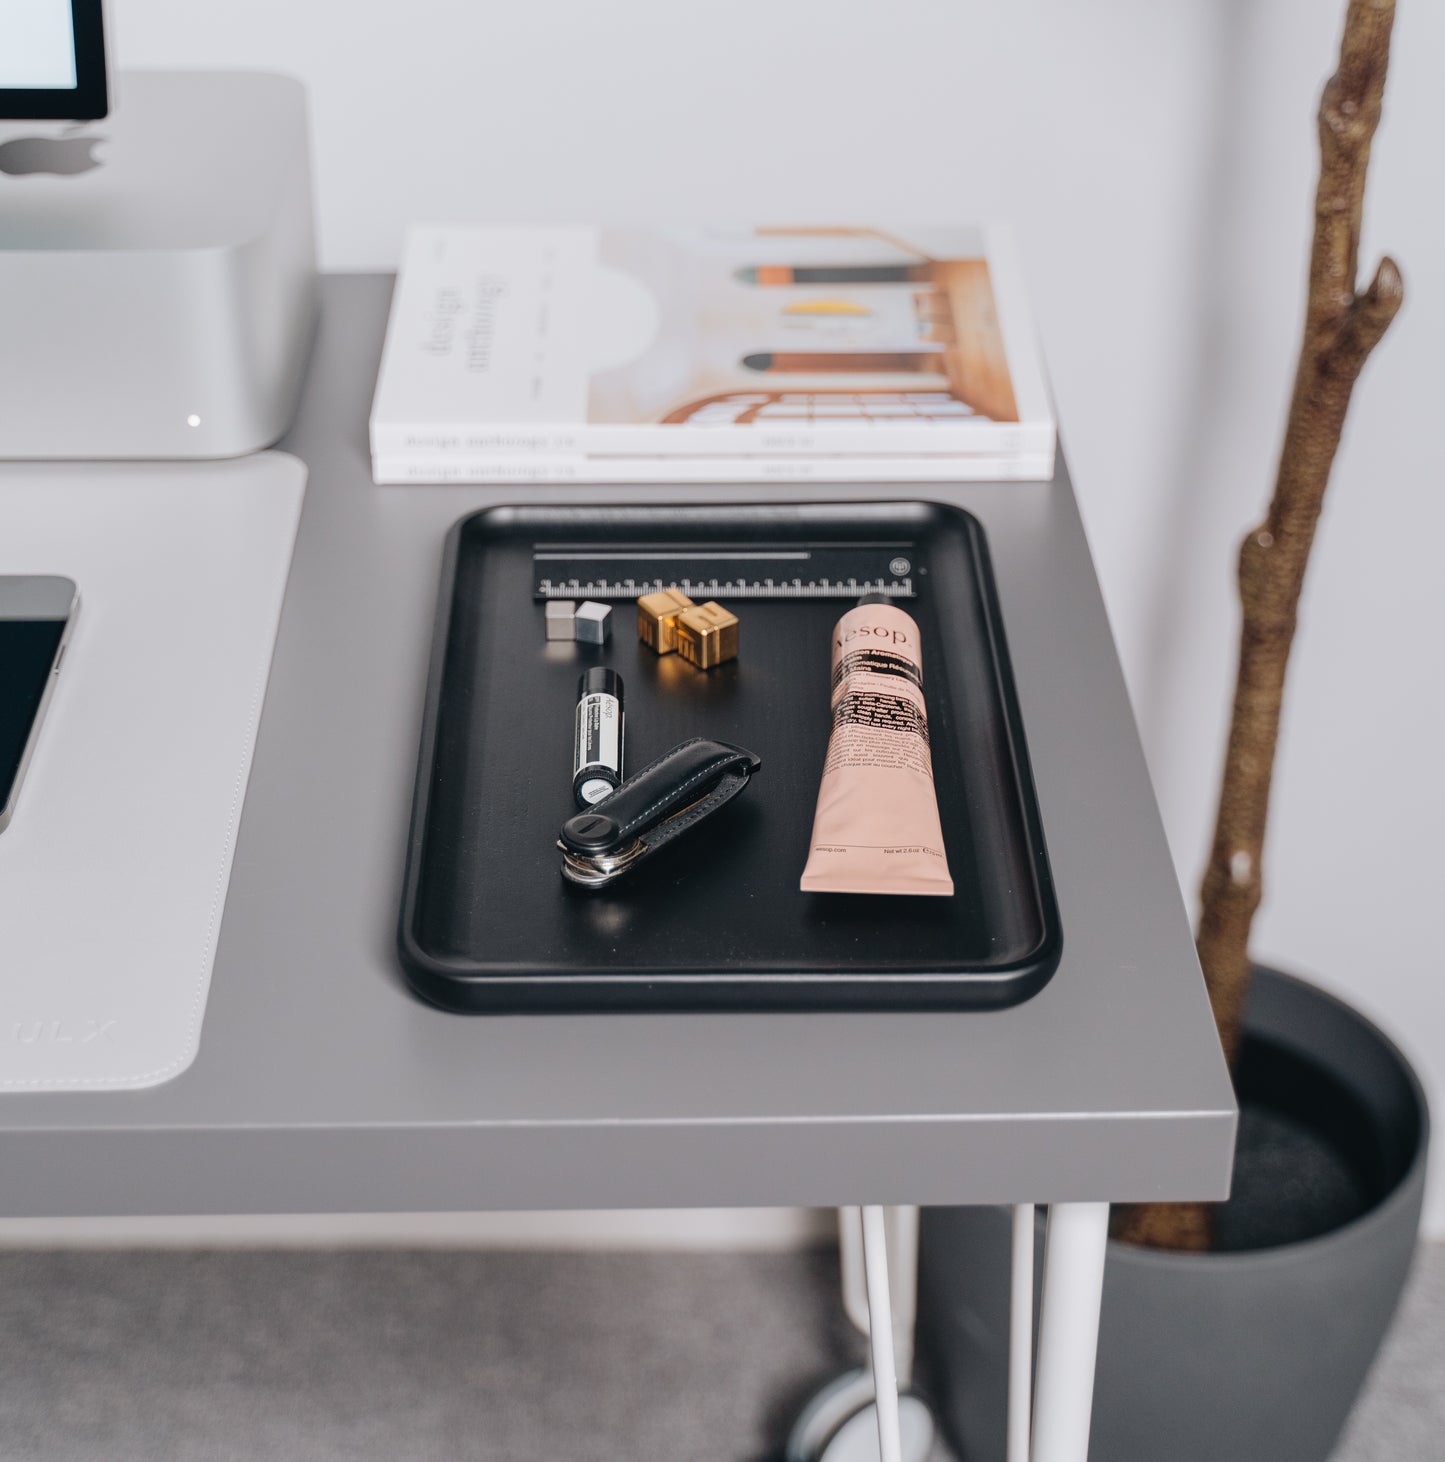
(1157, 163)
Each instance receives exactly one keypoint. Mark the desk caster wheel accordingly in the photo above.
(840, 1424)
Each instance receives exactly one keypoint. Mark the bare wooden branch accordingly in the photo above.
(1342, 326)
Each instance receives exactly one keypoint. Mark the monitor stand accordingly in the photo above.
(157, 271)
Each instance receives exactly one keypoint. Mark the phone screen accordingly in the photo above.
(27, 653)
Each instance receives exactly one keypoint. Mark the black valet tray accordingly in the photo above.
(718, 921)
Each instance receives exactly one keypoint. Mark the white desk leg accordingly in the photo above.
(1021, 1334)
(880, 1334)
(902, 1225)
(1074, 1249)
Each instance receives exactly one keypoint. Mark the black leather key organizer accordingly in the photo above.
(661, 802)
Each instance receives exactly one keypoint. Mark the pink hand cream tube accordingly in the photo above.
(877, 828)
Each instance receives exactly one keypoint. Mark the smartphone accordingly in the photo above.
(36, 614)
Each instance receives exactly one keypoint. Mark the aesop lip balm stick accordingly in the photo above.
(877, 828)
(597, 744)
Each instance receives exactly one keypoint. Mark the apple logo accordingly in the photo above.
(65, 156)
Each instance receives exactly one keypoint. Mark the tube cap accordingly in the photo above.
(600, 680)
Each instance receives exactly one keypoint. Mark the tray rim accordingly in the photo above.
(461, 986)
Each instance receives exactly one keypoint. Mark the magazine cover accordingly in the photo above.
(763, 342)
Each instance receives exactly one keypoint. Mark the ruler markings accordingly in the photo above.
(735, 571)
(722, 589)
(667, 557)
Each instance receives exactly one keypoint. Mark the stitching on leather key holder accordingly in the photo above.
(710, 770)
(682, 746)
(729, 785)
(713, 767)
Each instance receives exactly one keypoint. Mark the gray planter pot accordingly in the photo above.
(1257, 1353)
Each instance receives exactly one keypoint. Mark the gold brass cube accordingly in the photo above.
(707, 635)
(657, 619)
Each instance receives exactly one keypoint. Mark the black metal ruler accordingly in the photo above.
(720, 571)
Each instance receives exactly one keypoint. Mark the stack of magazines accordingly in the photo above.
(519, 355)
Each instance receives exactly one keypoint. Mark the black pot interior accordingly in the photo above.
(1315, 1151)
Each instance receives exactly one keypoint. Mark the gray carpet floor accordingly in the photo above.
(252, 1356)
(1401, 1416)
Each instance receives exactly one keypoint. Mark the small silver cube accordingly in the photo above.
(593, 622)
(561, 619)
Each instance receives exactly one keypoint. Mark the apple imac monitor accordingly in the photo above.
(52, 61)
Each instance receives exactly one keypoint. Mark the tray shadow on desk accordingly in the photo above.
(718, 922)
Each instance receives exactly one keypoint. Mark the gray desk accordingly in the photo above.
(322, 1085)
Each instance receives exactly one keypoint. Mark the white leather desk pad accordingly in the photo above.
(113, 871)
